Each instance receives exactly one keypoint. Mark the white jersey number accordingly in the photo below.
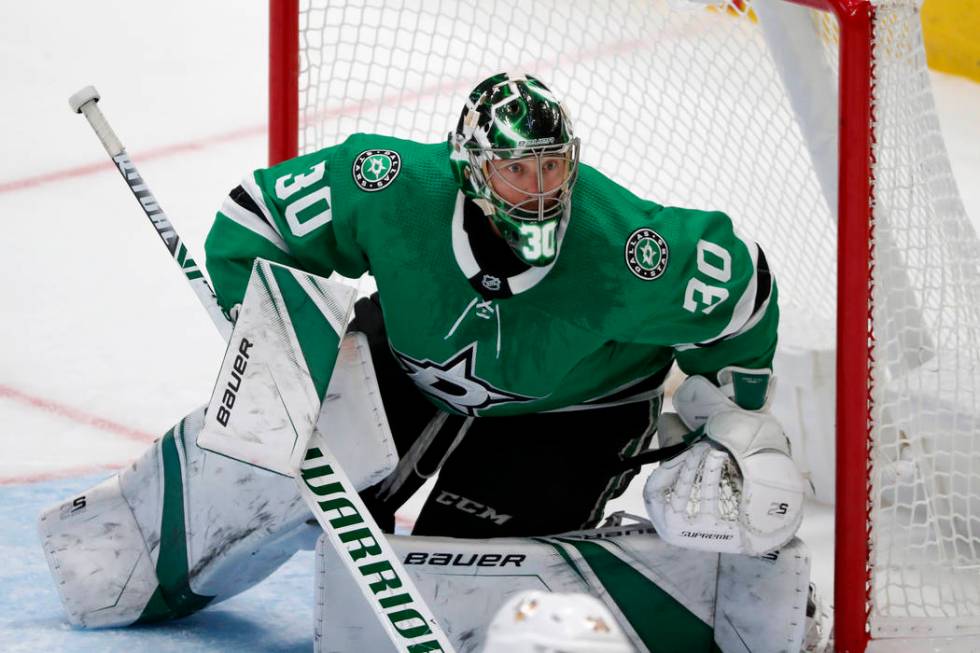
(714, 262)
(540, 240)
(315, 206)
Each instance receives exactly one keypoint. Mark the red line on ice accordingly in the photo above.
(351, 108)
(148, 155)
(57, 474)
(76, 415)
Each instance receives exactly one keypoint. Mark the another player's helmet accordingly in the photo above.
(544, 622)
(515, 118)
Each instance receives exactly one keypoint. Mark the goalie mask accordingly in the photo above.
(514, 154)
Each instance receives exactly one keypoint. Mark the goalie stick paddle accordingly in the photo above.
(408, 622)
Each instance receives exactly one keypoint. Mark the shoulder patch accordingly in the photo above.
(375, 169)
(646, 254)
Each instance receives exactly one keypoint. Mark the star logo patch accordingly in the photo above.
(455, 382)
(646, 254)
(375, 169)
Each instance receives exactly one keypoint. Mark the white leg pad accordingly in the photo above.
(736, 602)
(95, 550)
(241, 522)
(352, 417)
(279, 382)
(220, 526)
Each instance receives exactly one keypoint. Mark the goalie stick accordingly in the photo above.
(84, 102)
(387, 587)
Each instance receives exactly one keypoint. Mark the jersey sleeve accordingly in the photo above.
(723, 309)
(283, 214)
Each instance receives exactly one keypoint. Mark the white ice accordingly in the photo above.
(103, 346)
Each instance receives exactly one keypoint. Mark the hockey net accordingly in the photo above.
(734, 106)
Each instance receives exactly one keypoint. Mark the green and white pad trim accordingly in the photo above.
(665, 598)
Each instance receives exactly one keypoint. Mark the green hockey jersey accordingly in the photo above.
(635, 285)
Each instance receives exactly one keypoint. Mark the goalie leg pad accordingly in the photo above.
(178, 529)
(98, 558)
(289, 370)
(353, 419)
(662, 597)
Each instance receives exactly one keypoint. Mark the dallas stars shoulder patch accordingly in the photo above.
(646, 254)
(375, 169)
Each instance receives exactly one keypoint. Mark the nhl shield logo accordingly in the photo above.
(490, 282)
(375, 169)
(646, 254)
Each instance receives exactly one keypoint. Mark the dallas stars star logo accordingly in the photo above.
(646, 254)
(375, 169)
(455, 383)
(648, 257)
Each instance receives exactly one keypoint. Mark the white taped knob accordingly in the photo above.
(85, 102)
(83, 97)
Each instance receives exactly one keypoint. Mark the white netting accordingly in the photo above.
(685, 105)
(926, 451)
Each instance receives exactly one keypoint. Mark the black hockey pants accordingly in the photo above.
(525, 475)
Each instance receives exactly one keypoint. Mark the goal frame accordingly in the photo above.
(854, 277)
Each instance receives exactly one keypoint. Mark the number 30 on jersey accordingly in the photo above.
(308, 212)
(715, 263)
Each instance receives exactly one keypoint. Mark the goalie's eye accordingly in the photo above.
(515, 169)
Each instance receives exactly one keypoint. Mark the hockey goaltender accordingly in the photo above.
(528, 311)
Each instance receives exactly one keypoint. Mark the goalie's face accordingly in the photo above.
(530, 193)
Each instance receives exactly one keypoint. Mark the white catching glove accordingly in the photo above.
(736, 490)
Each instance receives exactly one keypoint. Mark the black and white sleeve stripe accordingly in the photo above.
(244, 208)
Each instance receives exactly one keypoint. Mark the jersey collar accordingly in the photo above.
(492, 271)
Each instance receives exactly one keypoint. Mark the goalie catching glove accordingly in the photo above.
(735, 489)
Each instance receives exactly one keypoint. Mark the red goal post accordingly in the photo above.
(875, 434)
(284, 53)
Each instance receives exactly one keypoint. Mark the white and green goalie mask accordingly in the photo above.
(514, 154)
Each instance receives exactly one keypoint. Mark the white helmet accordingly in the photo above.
(542, 622)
